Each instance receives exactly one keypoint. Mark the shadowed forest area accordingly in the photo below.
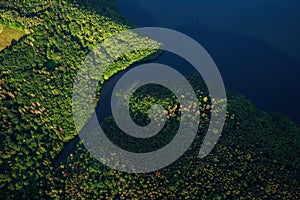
(44, 47)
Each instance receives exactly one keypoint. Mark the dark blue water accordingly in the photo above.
(103, 109)
(254, 43)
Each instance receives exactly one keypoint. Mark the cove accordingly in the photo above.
(103, 109)
(253, 43)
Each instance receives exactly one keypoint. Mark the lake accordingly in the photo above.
(264, 70)
(254, 43)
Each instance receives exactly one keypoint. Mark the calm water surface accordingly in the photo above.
(255, 43)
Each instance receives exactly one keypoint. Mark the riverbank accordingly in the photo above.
(103, 107)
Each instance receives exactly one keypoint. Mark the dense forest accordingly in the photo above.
(47, 41)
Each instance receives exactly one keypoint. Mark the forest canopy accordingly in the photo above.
(257, 156)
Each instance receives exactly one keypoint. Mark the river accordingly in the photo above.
(249, 65)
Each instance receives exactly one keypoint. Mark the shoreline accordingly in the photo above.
(70, 146)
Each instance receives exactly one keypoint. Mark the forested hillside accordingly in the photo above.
(36, 79)
(256, 157)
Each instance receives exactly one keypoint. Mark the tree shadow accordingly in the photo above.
(106, 8)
